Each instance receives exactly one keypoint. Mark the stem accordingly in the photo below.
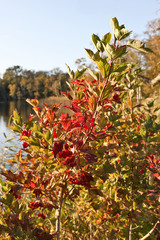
(151, 231)
(131, 212)
(130, 230)
(132, 197)
(58, 213)
(131, 179)
(90, 230)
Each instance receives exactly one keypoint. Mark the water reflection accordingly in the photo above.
(8, 139)
(6, 109)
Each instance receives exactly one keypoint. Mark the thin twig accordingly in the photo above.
(151, 231)
(130, 230)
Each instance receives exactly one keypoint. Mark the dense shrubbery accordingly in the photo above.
(92, 175)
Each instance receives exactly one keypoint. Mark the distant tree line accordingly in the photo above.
(18, 83)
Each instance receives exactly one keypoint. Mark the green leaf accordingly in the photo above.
(17, 118)
(79, 74)
(107, 38)
(156, 109)
(148, 121)
(34, 141)
(4, 188)
(16, 206)
(15, 128)
(92, 56)
(50, 141)
(119, 31)
(109, 49)
(103, 67)
(123, 33)
(156, 126)
(107, 91)
(151, 104)
(48, 135)
(105, 169)
(142, 132)
(114, 53)
(37, 128)
(120, 68)
(9, 199)
(138, 45)
(120, 52)
(70, 72)
(108, 168)
(97, 43)
(114, 24)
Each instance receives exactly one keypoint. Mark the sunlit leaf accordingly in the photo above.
(138, 45)
(70, 72)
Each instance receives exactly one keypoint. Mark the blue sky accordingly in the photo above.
(44, 34)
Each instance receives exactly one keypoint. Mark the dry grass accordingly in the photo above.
(53, 100)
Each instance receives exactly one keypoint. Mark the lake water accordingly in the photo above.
(6, 110)
(9, 141)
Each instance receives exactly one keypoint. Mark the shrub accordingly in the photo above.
(94, 174)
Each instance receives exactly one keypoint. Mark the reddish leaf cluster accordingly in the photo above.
(26, 133)
(16, 196)
(58, 146)
(69, 158)
(35, 205)
(25, 144)
(41, 215)
(82, 178)
(116, 98)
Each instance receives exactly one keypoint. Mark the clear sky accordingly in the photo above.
(44, 34)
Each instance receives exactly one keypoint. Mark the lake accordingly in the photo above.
(6, 110)
(9, 147)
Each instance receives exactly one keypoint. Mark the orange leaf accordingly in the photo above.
(92, 102)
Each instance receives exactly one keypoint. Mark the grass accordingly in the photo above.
(53, 100)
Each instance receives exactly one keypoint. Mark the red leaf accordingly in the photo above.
(79, 82)
(54, 133)
(65, 121)
(74, 107)
(32, 185)
(156, 175)
(58, 146)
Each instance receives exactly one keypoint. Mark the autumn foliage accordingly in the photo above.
(94, 174)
